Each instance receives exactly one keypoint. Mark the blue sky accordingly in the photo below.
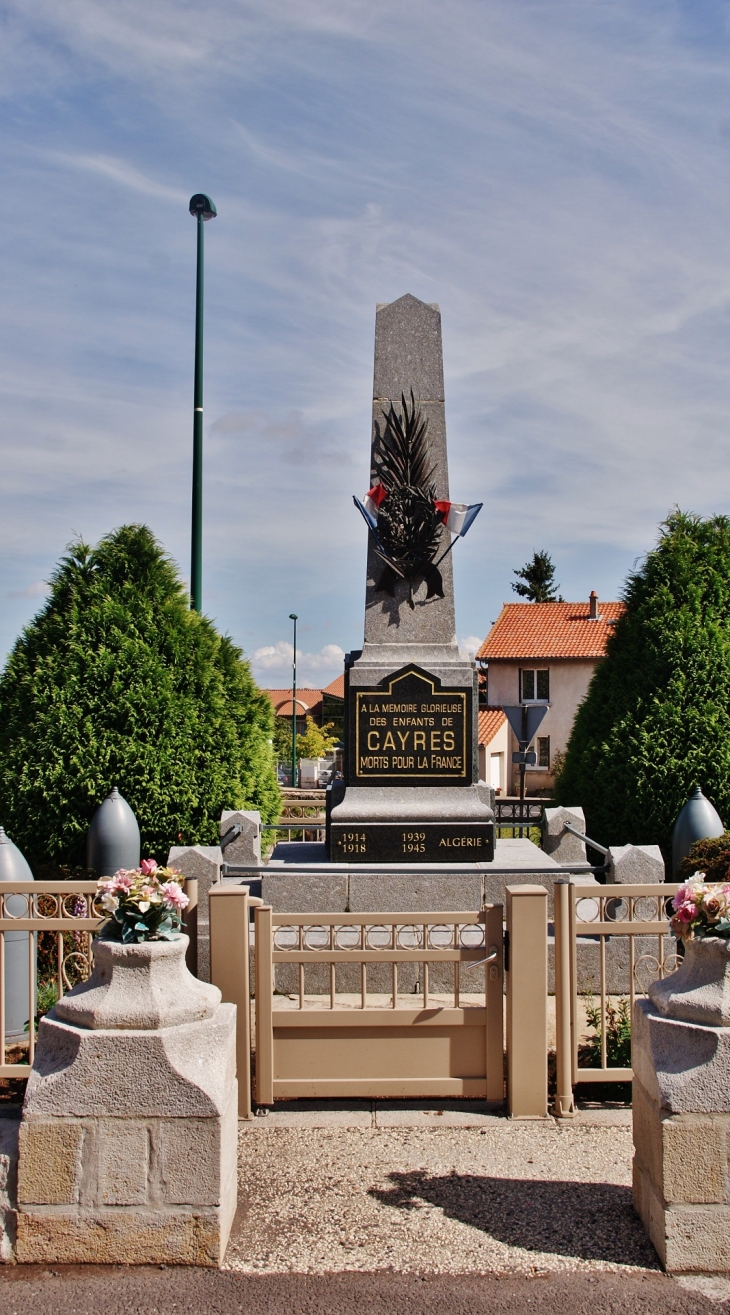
(556, 175)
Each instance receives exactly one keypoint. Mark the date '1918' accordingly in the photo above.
(352, 842)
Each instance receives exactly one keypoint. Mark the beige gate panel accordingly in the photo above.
(409, 1053)
(357, 1047)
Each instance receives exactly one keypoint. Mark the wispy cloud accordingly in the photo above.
(272, 665)
(120, 171)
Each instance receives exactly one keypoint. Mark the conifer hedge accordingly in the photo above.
(118, 682)
(656, 719)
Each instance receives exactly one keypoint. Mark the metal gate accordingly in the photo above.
(636, 914)
(378, 1004)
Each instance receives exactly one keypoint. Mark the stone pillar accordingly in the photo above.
(246, 848)
(634, 865)
(201, 863)
(127, 1147)
(681, 1114)
(564, 847)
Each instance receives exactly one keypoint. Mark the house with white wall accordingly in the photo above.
(494, 749)
(544, 653)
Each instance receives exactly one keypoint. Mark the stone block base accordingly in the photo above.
(127, 1150)
(688, 1239)
(680, 1184)
(120, 1237)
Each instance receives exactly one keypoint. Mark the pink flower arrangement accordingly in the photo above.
(701, 909)
(144, 903)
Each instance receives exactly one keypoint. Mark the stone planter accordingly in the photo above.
(139, 987)
(127, 1146)
(699, 991)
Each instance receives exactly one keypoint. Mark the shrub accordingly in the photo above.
(118, 682)
(656, 719)
(618, 1034)
(709, 856)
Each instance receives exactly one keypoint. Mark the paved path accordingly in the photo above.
(94, 1290)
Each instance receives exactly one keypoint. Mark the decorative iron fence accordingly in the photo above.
(638, 914)
(515, 818)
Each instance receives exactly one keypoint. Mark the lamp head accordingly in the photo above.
(293, 616)
(200, 204)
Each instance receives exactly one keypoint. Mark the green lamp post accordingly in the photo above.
(202, 209)
(293, 617)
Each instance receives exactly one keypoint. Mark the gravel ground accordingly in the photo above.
(501, 1198)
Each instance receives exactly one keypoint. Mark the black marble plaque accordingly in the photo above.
(410, 730)
(405, 842)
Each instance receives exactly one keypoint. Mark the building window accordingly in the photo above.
(534, 686)
(543, 750)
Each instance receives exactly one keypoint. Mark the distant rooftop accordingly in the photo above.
(540, 631)
(308, 701)
(490, 720)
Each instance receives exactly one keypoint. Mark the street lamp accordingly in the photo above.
(202, 209)
(293, 617)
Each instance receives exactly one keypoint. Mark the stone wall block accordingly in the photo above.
(122, 1237)
(123, 1162)
(49, 1166)
(9, 1126)
(183, 1142)
(695, 1159)
(393, 893)
(318, 893)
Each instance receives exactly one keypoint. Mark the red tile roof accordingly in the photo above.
(490, 720)
(337, 687)
(308, 701)
(550, 630)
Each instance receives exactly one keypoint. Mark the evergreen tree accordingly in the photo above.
(656, 719)
(536, 579)
(118, 682)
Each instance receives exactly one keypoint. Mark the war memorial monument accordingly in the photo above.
(411, 791)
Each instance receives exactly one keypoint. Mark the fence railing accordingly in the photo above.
(605, 916)
(517, 817)
(46, 948)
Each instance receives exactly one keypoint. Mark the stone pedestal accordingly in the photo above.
(127, 1146)
(681, 1116)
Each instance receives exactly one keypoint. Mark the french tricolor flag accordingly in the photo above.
(457, 516)
(371, 504)
(373, 498)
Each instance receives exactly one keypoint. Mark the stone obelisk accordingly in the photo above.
(411, 789)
